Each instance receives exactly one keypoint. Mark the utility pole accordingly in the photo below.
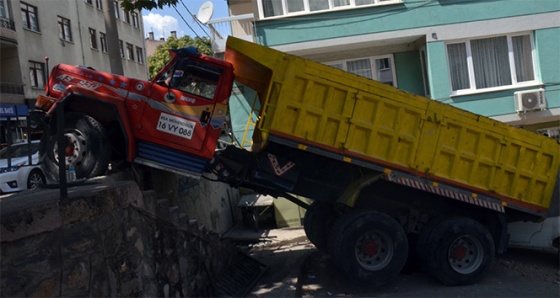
(113, 45)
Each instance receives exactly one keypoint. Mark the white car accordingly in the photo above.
(20, 175)
(544, 235)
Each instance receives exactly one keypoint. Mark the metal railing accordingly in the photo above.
(7, 23)
(241, 26)
(11, 88)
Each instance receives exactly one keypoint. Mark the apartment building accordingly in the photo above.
(35, 35)
(496, 58)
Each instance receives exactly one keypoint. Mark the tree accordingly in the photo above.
(158, 60)
(129, 5)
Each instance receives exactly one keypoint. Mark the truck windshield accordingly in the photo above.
(193, 77)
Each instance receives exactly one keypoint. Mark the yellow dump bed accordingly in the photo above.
(355, 118)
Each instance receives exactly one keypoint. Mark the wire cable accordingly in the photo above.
(195, 19)
(175, 7)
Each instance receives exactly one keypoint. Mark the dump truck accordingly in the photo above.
(394, 178)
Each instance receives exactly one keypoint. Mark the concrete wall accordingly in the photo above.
(106, 240)
(212, 204)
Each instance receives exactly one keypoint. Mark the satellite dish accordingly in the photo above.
(205, 12)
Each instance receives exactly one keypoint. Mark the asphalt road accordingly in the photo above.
(298, 269)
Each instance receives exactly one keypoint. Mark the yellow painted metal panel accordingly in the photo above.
(356, 117)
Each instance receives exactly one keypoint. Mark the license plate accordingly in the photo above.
(176, 126)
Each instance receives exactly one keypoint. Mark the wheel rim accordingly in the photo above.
(34, 180)
(465, 254)
(75, 150)
(374, 250)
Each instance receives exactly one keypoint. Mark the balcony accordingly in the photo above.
(7, 29)
(11, 93)
(241, 26)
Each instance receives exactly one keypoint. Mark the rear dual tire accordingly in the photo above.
(369, 247)
(456, 251)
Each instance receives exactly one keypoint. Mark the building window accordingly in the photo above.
(99, 4)
(425, 77)
(129, 51)
(103, 41)
(3, 9)
(92, 38)
(36, 74)
(379, 68)
(276, 8)
(116, 8)
(126, 16)
(64, 31)
(90, 2)
(488, 63)
(140, 55)
(121, 47)
(29, 17)
(135, 22)
(551, 132)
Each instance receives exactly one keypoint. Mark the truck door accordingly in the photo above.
(181, 104)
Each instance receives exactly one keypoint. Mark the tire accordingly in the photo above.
(35, 179)
(421, 247)
(458, 251)
(317, 223)
(88, 147)
(370, 247)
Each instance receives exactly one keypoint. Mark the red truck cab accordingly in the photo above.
(172, 122)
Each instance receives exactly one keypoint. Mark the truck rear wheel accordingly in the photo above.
(87, 147)
(317, 224)
(369, 247)
(458, 251)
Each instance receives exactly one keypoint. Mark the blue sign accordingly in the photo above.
(13, 110)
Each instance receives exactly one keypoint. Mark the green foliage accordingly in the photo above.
(158, 60)
(138, 5)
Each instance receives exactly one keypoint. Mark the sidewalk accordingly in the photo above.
(283, 251)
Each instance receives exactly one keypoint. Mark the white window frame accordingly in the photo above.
(470, 65)
(306, 7)
(4, 11)
(372, 59)
(135, 20)
(140, 55)
(121, 47)
(130, 51)
(103, 42)
(29, 11)
(425, 71)
(93, 38)
(65, 29)
(125, 16)
(116, 9)
(36, 74)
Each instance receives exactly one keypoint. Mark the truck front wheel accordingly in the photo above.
(87, 147)
(458, 251)
(369, 247)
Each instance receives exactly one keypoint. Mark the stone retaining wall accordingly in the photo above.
(106, 241)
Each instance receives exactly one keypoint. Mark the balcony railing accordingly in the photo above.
(241, 26)
(7, 23)
(11, 88)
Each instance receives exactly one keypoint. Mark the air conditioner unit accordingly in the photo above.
(529, 100)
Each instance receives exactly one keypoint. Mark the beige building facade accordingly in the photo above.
(35, 35)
